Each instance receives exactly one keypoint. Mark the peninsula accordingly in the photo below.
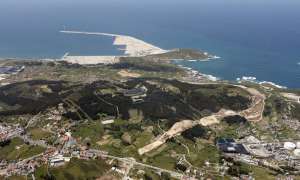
(132, 47)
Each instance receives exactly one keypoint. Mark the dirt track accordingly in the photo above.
(125, 73)
(253, 113)
(177, 129)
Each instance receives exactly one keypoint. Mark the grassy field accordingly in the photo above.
(207, 153)
(15, 178)
(262, 173)
(38, 134)
(228, 131)
(143, 139)
(16, 149)
(164, 160)
(296, 111)
(91, 131)
(76, 170)
(151, 175)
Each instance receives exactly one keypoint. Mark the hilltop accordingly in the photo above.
(120, 110)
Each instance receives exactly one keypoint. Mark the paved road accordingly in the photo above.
(131, 161)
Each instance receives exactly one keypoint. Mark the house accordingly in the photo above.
(86, 155)
(57, 160)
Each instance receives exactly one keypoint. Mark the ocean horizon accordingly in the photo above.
(253, 38)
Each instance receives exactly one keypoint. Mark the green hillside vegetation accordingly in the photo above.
(87, 100)
(88, 132)
(40, 134)
(296, 111)
(15, 149)
(77, 169)
(186, 54)
(192, 102)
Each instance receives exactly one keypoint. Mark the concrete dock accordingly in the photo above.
(91, 59)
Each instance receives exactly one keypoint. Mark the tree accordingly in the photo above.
(165, 176)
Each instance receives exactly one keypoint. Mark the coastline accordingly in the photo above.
(254, 80)
(138, 48)
(197, 75)
(211, 77)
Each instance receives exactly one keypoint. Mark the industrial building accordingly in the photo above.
(230, 146)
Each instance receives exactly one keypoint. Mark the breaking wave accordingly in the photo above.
(254, 80)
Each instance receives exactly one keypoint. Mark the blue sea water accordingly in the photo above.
(253, 37)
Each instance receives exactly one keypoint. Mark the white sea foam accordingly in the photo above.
(210, 77)
(195, 72)
(273, 84)
(214, 57)
(254, 80)
(249, 78)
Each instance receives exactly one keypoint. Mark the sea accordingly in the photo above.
(254, 38)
